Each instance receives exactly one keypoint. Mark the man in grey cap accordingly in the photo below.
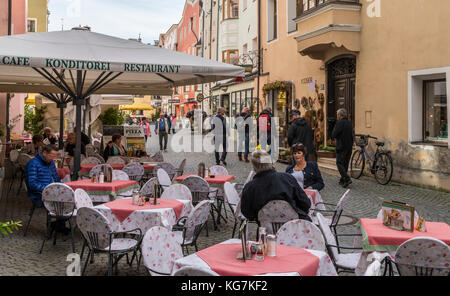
(300, 131)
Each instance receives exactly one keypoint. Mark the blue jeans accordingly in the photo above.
(246, 139)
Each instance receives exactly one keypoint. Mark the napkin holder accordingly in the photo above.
(245, 254)
(398, 216)
(156, 193)
(107, 171)
(421, 225)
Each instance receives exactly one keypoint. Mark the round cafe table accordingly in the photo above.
(124, 216)
(86, 168)
(218, 181)
(104, 192)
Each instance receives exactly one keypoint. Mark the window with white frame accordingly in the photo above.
(31, 25)
(428, 102)
(272, 20)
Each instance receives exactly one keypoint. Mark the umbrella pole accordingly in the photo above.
(61, 107)
(78, 103)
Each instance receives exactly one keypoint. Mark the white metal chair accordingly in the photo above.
(337, 212)
(158, 157)
(116, 160)
(194, 271)
(22, 161)
(82, 199)
(148, 188)
(301, 234)
(134, 170)
(274, 214)
(99, 237)
(99, 157)
(120, 175)
(218, 170)
(160, 250)
(167, 167)
(163, 178)
(177, 191)
(91, 160)
(374, 269)
(58, 199)
(97, 169)
(233, 200)
(344, 262)
(421, 256)
(180, 170)
(188, 228)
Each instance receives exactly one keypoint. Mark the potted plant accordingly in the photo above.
(326, 152)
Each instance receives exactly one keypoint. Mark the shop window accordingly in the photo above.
(435, 124)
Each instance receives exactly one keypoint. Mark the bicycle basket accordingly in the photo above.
(361, 141)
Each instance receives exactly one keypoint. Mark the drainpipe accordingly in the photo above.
(8, 95)
(259, 53)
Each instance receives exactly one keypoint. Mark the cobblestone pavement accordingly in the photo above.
(19, 255)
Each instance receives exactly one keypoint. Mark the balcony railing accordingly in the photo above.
(308, 6)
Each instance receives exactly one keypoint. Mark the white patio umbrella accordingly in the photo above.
(79, 63)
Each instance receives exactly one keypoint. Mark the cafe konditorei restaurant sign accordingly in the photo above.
(87, 65)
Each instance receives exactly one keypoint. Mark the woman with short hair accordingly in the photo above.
(306, 173)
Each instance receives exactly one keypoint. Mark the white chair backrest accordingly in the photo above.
(58, 199)
(380, 215)
(328, 235)
(177, 191)
(198, 187)
(99, 157)
(148, 187)
(14, 155)
(120, 175)
(146, 159)
(91, 160)
(218, 170)
(180, 169)
(158, 157)
(163, 178)
(168, 167)
(231, 195)
(418, 253)
(340, 207)
(134, 170)
(301, 234)
(194, 271)
(250, 176)
(95, 227)
(160, 249)
(374, 269)
(196, 218)
(23, 159)
(115, 160)
(97, 169)
(275, 213)
(82, 199)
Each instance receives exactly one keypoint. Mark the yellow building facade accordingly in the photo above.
(387, 62)
(37, 16)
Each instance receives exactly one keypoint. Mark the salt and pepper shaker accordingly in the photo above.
(262, 242)
(271, 245)
(135, 197)
(101, 178)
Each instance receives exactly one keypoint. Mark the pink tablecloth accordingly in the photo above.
(111, 189)
(222, 259)
(86, 168)
(218, 179)
(122, 208)
(378, 237)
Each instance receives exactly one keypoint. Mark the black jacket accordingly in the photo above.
(311, 173)
(343, 133)
(272, 185)
(70, 148)
(301, 132)
(85, 139)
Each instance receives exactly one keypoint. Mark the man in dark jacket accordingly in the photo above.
(268, 185)
(243, 125)
(301, 132)
(343, 133)
(218, 125)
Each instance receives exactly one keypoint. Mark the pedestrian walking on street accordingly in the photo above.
(218, 125)
(300, 131)
(169, 120)
(264, 128)
(343, 133)
(162, 129)
(174, 122)
(146, 126)
(243, 125)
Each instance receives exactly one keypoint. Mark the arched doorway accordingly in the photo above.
(341, 77)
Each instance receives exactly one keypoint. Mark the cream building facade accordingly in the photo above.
(385, 61)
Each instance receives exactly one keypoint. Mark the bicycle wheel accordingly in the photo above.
(357, 164)
(383, 168)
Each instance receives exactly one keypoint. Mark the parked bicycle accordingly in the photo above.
(380, 162)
